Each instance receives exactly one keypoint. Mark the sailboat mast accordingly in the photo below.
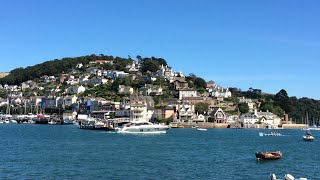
(25, 107)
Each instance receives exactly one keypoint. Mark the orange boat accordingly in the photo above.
(269, 155)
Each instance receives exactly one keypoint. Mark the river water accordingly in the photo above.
(30, 151)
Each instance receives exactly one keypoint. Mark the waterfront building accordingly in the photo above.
(218, 115)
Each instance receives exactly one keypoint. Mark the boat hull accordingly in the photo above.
(269, 155)
(144, 129)
(308, 138)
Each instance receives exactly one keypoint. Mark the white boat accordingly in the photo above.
(270, 134)
(308, 136)
(143, 128)
(286, 177)
(201, 129)
(52, 122)
(290, 177)
(13, 121)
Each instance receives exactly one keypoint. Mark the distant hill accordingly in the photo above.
(51, 68)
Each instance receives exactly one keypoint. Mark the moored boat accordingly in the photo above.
(286, 177)
(308, 136)
(201, 129)
(269, 155)
(270, 134)
(41, 119)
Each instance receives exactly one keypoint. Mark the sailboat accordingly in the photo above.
(308, 136)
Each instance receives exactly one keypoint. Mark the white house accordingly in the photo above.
(248, 101)
(139, 111)
(267, 118)
(98, 81)
(249, 118)
(165, 72)
(150, 90)
(125, 89)
(187, 93)
(134, 66)
(80, 65)
(225, 93)
(75, 90)
(69, 100)
(185, 112)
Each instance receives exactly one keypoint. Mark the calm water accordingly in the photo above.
(66, 152)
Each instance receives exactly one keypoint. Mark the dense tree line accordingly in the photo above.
(56, 67)
(50, 68)
(297, 108)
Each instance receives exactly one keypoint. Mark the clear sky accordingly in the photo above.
(269, 45)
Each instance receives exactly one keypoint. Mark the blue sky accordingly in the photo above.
(269, 45)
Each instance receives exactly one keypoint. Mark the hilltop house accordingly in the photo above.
(29, 84)
(98, 81)
(125, 89)
(149, 89)
(251, 104)
(102, 61)
(217, 91)
(187, 93)
(165, 72)
(75, 90)
(133, 66)
(47, 79)
(180, 84)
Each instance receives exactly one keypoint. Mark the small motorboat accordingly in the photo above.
(201, 129)
(270, 134)
(268, 155)
(308, 136)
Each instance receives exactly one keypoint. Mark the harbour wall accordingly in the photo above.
(199, 124)
(294, 126)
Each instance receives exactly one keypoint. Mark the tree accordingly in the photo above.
(115, 85)
(267, 107)
(3, 94)
(201, 107)
(149, 65)
(282, 99)
(243, 107)
(139, 58)
(200, 83)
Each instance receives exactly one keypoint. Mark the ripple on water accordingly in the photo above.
(66, 152)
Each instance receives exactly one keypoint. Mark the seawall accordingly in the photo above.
(294, 126)
(199, 124)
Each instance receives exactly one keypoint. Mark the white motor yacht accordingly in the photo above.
(143, 128)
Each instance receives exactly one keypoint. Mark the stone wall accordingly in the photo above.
(294, 126)
(199, 124)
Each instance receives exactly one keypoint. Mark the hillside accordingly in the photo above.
(279, 103)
